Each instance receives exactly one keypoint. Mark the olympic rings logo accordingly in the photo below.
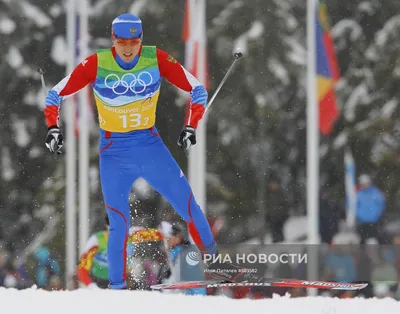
(128, 81)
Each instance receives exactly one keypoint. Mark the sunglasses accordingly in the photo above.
(128, 42)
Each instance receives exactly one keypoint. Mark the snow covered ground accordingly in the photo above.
(34, 301)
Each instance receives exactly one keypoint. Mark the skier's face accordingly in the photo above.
(127, 49)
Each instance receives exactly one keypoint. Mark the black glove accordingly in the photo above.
(54, 140)
(187, 137)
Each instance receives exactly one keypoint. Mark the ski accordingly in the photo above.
(187, 284)
(288, 283)
(232, 275)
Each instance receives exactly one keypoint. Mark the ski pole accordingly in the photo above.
(41, 72)
(237, 56)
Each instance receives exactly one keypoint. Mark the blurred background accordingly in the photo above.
(256, 133)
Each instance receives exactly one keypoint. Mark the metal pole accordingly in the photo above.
(312, 146)
(83, 133)
(70, 193)
(197, 154)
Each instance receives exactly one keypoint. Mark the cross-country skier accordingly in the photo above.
(126, 80)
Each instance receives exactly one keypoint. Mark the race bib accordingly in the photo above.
(137, 115)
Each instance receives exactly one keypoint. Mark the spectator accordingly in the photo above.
(370, 207)
(10, 276)
(277, 209)
(384, 271)
(54, 283)
(364, 268)
(395, 248)
(46, 267)
(340, 265)
(329, 218)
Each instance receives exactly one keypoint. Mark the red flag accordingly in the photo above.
(327, 71)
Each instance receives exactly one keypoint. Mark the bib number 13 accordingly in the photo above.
(133, 120)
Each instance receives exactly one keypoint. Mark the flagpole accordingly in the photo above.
(83, 133)
(312, 146)
(70, 193)
(197, 154)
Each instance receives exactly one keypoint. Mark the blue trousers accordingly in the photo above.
(123, 158)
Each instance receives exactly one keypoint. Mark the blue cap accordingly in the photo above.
(127, 26)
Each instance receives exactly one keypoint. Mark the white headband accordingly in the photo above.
(117, 20)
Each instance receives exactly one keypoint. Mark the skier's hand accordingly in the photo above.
(187, 137)
(54, 140)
